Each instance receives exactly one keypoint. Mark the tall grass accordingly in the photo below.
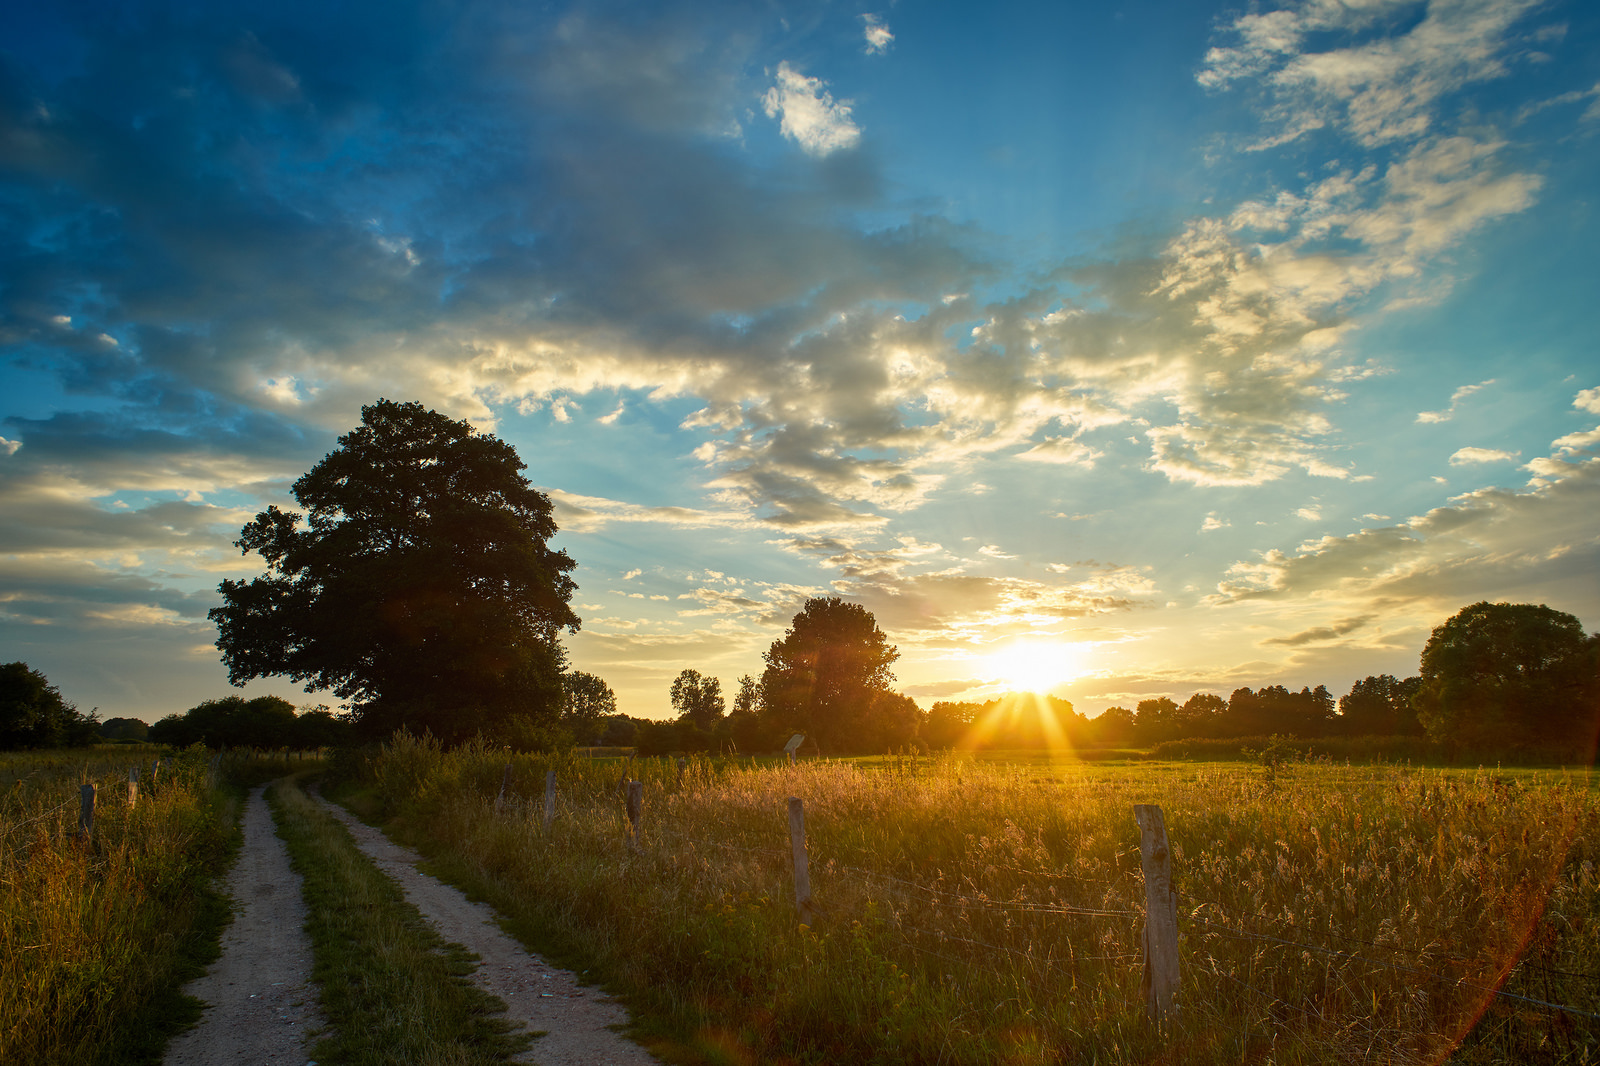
(978, 913)
(95, 936)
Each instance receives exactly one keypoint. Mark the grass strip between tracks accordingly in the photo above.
(392, 989)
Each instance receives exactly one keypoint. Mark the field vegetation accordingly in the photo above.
(986, 912)
(97, 935)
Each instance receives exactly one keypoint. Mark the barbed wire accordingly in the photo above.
(1459, 982)
(37, 818)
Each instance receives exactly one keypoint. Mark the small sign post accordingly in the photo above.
(794, 745)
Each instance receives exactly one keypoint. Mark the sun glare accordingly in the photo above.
(1035, 665)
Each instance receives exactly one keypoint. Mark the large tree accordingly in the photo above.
(1510, 673)
(828, 673)
(420, 587)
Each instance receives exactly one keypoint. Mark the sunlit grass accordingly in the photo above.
(976, 911)
(95, 936)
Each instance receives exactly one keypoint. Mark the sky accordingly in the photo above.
(1115, 350)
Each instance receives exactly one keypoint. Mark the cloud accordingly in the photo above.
(1538, 542)
(1588, 400)
(1455, 401)
(1470, 456)
(1213, 522)
(590, 513)
(876, 33)
(1380, 91)
(808, 113)
(1321, 634)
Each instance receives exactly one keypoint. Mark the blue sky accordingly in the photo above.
(1180, 347)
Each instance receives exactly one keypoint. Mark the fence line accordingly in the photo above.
(1159, 1012)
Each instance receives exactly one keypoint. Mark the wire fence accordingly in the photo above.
(1420, 972)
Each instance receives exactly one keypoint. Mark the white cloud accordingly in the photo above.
(9, 447)
(1588, 400)
(1213, 522)
(877, 35)
(1537, 543)
(631, 574)
(810, 115)
(1468, 456)
(590, 513)
(1455, 400)
(1310, 514)
(1380, 91)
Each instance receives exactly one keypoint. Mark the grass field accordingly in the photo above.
(985, 911)
(97, 935)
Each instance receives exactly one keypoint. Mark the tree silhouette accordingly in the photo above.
(698, 699)
(1380, 705)
(825, 674)
(1510, 673)
(421, 587)
(33, 714)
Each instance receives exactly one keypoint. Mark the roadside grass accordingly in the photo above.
(97, 937)
(971, 911)
(392, 990)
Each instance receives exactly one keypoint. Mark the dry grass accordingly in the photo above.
(96, 935)
(1337, 914)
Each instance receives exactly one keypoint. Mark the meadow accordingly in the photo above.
(96, 935)
(991, 912)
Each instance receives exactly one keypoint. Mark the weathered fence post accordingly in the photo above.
(133, 787)
(635, 809)
(549, 798)
(683, 764)
(1160, 981)
(505, 783)
(797, 845)
(86, 811)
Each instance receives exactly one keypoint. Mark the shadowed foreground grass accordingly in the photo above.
(393, 991)
(97, 937)
(979, 913)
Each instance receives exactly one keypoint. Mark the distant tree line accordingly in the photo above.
(268, 722)
(1494, 677)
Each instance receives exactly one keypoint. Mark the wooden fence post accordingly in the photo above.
(505, 783)
(797, 845)
(86, 812)
(683, 764)
(1160, 980)
(549, 798)
(133, 787)
(635, 808)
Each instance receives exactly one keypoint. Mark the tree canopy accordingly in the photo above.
(262, 722)
(698, 698)
(588, 703)
(1510, 673)
(420, 587)
(827, 675)
(33, 714)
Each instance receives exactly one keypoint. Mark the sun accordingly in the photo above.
(1034, 665)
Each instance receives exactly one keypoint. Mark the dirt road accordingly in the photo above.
(263, 1006)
